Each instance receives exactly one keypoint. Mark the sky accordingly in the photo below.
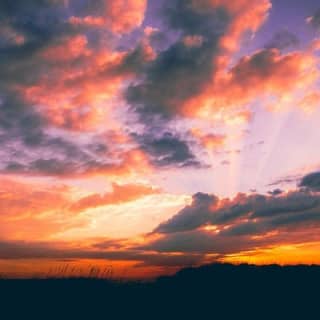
(144, 136)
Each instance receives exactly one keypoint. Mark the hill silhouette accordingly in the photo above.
(218, 291)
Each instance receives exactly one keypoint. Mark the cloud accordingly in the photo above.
(264, 74)
(118, 195)
(46, 93)
(310, 102)
(18, 199)
(15, 250)
(285, 180)
(188, 78)
(180, 71)
(94, 88)
(123, 164)
(167, 150)
(247, 222)
(110, 69)
(71, 90)
(311, 181)
(26, 96)
(29, 146)
(275, 192)
(200, 242)
(208, 226)
(117, 16)
(124, 15)
(48, 90)
(169, 85)
(34, 210)
(314, 20)
(87, 21)
(226, 211)
(209, 141)
(190, 217)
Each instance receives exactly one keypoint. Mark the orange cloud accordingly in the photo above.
(39, 211)
(88, 21)
(119, 194)
(246, 15)
(79, 87)
(262, 74)
(76, 96)
(67, 49)
(130, 163)
(193, 41)
(19, 199)
(310, 102)
(265, 73)
(123, 16)
(243, 16)
(120, 16)
(30, 211)
(209, 141)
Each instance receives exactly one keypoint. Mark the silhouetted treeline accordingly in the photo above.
(219, 291)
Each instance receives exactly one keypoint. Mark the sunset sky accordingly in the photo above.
(151, 135)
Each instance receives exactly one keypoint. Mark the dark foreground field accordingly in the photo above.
(209, 292)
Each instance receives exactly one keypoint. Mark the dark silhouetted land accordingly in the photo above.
(219, 291)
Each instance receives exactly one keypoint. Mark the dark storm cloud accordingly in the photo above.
(39, 21)
(292, 202)
(184, 16)
(167, 150)
(133, 62)
(242, 223)
(254, 207)
(176, 75)
(285, 223)
(199, 242)
(19, 120)
(190, 217)
(282, 40)
(294, 227)
(13, 8)
(160, 40)
(51, 167)
(311, 181)
(203, 211)
(87, 7)
(275, 192)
